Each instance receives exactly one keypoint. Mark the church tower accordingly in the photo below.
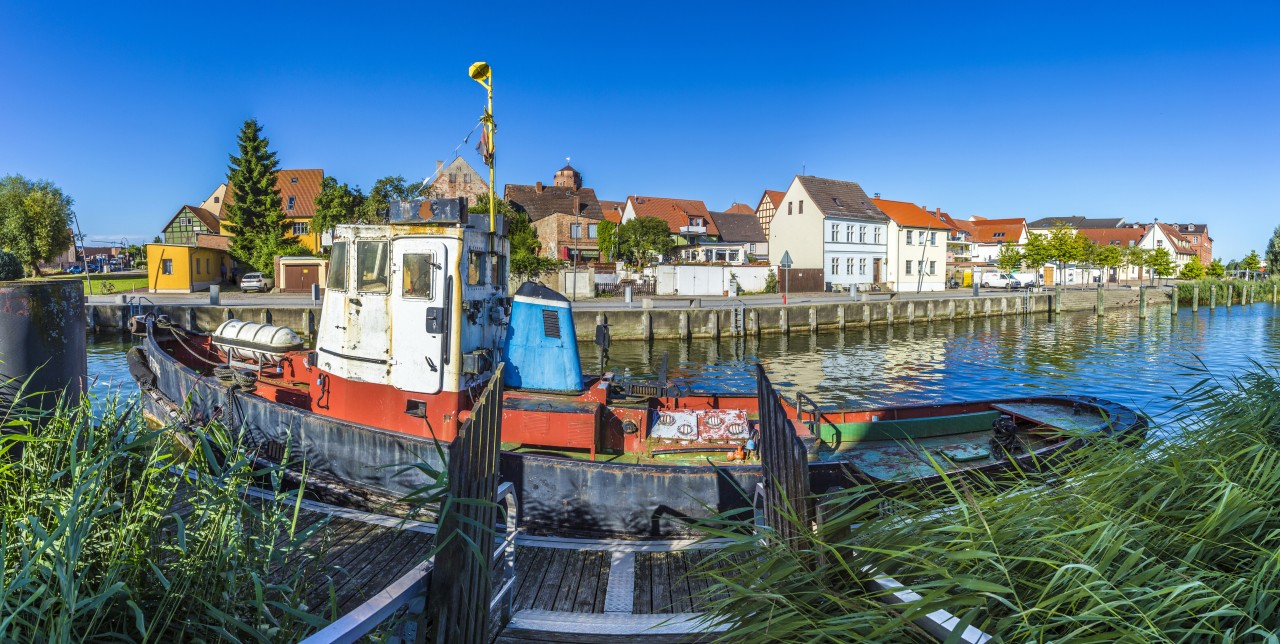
(567, 177)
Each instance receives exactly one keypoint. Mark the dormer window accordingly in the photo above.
(293, 179)
(998, 235)
(291, 201)
(217, 200)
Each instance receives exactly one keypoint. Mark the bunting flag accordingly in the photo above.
(485, 146)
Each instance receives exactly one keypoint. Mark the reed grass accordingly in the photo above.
(1186, 292)
(1173, 540)
(97, 543)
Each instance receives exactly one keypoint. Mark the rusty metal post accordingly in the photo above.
(42, 343)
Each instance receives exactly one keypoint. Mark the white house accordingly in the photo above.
(917, 247)
(832, 225)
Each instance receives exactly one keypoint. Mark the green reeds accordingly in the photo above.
(1262, 289)
(1173, 540)
(109, 533)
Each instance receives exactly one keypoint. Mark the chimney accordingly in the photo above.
(877, 195)
(537, 187)
(439, 165)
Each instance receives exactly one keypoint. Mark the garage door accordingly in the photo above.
(298, 278)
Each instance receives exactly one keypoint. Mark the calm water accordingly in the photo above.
(1131, 361)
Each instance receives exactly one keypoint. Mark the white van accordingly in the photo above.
(1000, 280)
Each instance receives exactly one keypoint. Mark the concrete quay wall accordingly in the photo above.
(640, 323)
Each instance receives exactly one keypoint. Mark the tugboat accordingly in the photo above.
(416, 317)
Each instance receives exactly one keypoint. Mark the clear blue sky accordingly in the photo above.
(1015, 110)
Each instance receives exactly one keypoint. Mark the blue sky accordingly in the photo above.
(1001, 110)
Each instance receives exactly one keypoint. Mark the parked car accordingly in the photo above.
(75, 270)
(252, 282)
(1002, 280)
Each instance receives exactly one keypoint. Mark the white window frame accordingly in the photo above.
(835, 232)
(835, 265)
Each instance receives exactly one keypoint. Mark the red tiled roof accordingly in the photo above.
(740, 209)
(985, 230)
(302, 185)
(776, 197)
(1114, 236)
(908, 214)
(612, 210)
(676, 212)
(216, 242)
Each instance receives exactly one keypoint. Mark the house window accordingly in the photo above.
(920, 266)
(876, 230)
(733, 255)
(591, 231)
(789, 204)
(862, 266)
(933, 267)
(217, 199)
(1196, 239)
(835, 265)
(291, 201)
(848, 234)
(1159, 243)
(933, 239)
(301, 227)
(908, 267)
(293, 179)
(802, 206)
(166, 266)
(997, 235)
(575, 231)
(184, 221)
(751, 248)
(908, 237)
(371, 266)
(835, 232)
(862, 234)
(848, 266)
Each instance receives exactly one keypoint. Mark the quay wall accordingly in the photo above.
(693, 321)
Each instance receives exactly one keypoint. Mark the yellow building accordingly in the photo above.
(182, 268)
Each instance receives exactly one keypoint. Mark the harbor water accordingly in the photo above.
(1142, 363)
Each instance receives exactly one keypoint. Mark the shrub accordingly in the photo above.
(10, 267)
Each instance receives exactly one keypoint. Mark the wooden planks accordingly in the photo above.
(560, 579)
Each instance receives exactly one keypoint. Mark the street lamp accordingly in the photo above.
(481, 73)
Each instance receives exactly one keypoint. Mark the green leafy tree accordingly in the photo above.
(157, 240)
(1036, 251)
(1273, 253)
(10, 267)
(1064, 246)
(607, 239)
(1252, 263)
(35, 220)
(395, 188)
(1233, 265)
(1192, 270)
(1010, 259)
(1216, 270)
(525, 260)
(1137, 256)
(644, 239)
(1108, 257)
(1161, 262)
(257, 221)
(336, 204)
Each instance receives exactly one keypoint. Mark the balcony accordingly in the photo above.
(693, 230)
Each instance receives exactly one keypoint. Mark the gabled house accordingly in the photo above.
(989, 235)
(688, 219)
(740, 241)
(1167, 236)
(565, 215)
(1201, 242)
(834, 226)
(736, 208)
(917, 245)
(188, 222)
(1122, 237)
(298, 191)
(194, 254)
(768, 205)
(458, 179)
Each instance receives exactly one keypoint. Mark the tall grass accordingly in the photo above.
(108, 533)
(1175, 540)
(1262, 289)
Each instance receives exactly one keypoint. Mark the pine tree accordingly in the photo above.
(1273, 253)
(257, 220)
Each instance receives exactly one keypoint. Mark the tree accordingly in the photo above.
(10, 267)
(607, 239)
(35, 220)
(1273, 253)
(643, 239)
(1216, 269)
(157, 240)
(1251, 264)
(1036, 251)
(524, 260)
(1108, 257)
(1010, 259)
(395, 188)
(1064, 247)
(336, 204)
(257, 221)
(1137, 256)
(1161, 262)
(1192, 270)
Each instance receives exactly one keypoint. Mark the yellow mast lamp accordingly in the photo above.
(483, 74)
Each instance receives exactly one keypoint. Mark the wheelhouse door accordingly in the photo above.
(420, 333)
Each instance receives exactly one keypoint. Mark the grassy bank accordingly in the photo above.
(1262, 290)
(105, 283)
(97, 542)
(1174, 540)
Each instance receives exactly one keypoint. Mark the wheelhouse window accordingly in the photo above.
(338, 266)
(418, 275)
(371, 267)
(476, 265)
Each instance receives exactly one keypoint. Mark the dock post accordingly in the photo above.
(311, 322)
(1174, 300)
(1142, 302)
(42, 342)
(684, 325)
(888, 313)
(840, 316)
(911, 312)
(951, 309)
(813, 320)
(1004, 306)
(784, 324)
(928, 310)
(646, 326)
(986, 307)
(1195, 298)
(753, 323)
(1231, 295)
(1101, 303)
(1273, 293)
(1057, 299)
(715, 325)
(866, 315)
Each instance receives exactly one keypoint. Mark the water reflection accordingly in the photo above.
(1135, 362)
